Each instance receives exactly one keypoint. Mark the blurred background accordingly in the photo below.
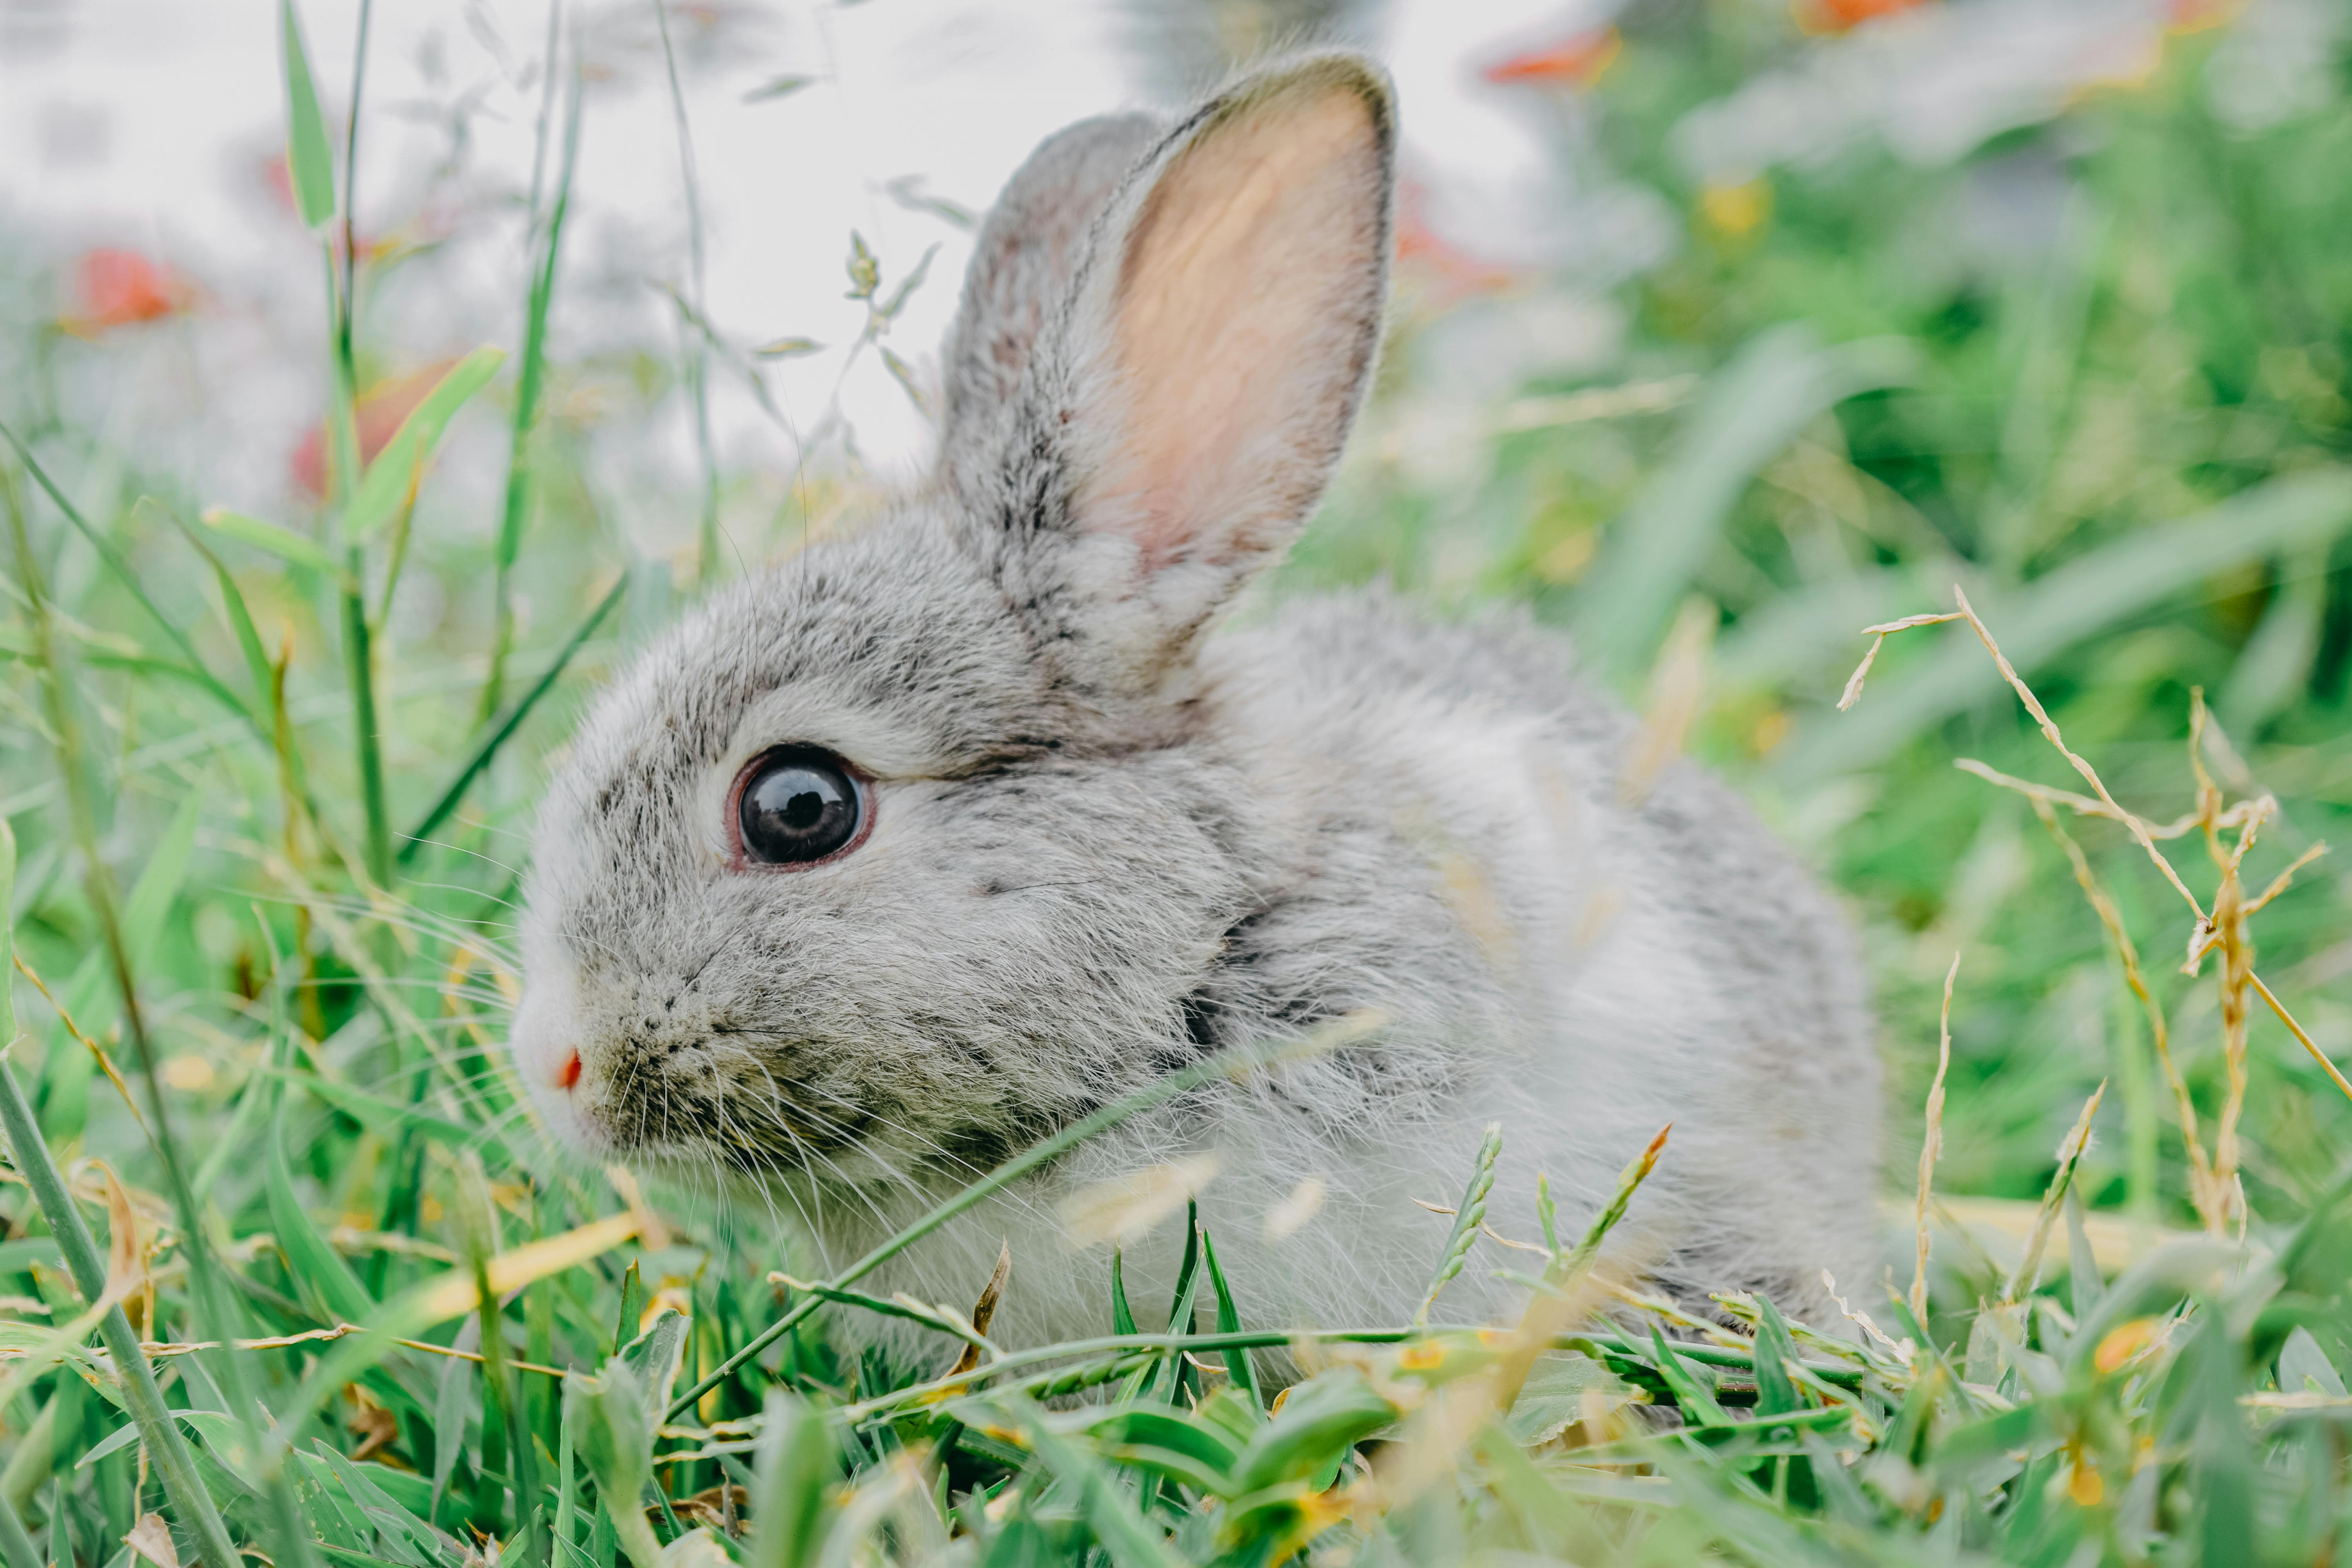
(1724, 328)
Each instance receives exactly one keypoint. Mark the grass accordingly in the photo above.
(348, 1308)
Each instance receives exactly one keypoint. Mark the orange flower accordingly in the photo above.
(378, 413)
(1578, 61)
(119, 288)
(1840, 16)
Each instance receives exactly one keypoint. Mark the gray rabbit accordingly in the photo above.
(901, 856)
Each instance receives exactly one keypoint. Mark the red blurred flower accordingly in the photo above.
(2196, 15)
(1840, 16)
(119, 288)
(1577, 60)
(377, 414)
(1455, 272)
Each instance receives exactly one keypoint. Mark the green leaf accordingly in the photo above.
(282, 542)
(1122, 1316)
(232, 606)
(409, 1537)
(495, 741)
(318, 1270)
(904, 375)
(1130, 1540)
(615, 1424)
(1229, 1321)
(160, 881)
(1690, 1389)
(798, 1464)
(1155, 1426)
(889, 308)
(776, 88)
(2303, 1367)
(657, 1355)
(1552, 1398)
(389, 486)
(309, 163)
(1750, 412)
(1180, 1313)
(1776, 1393)
(329, 1512)
(1322, 1418)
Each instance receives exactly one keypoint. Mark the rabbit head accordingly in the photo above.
(904, 852)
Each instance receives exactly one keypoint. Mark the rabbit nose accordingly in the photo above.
(568, 1074)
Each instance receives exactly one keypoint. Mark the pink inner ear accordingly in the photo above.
(1244, 322)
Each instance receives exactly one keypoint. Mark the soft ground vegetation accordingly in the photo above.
(287, 1272)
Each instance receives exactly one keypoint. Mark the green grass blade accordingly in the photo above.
(1229, 1064)
(2064, 608)
(516, 510)
(359, 667)
(309, 164)
(284, 544)
(791, 1508)
(487, 751)
(234, 609)
(1565, 1266)
(318, 1270)
(1779, 382)
(121, 572)
(2027, 1273)
(390, 484)
(1229, 1321)
(15, 1546)
(30, 1156)
(1122, 1316)
(1130, 1540)
(616, 1436)
(1776, 1350)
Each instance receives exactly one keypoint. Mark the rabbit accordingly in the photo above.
(957, 827)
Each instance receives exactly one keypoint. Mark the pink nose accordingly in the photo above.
(568, 1074)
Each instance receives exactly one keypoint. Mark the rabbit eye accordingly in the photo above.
(797, 805)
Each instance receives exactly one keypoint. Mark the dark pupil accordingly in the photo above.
(799, 806)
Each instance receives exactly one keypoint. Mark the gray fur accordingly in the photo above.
(1106, 845)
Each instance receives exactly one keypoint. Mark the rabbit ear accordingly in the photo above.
(1021, 270)
(1184, 409)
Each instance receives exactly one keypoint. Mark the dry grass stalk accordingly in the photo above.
(983, 1312)
(2027, 1273)
(2297, 1031)
(2080, 804)
(1877, 636)
(1677, 685)
(2218, 1192)
(105, 1062)
(1932, 1147)
(2226, 929)
(2205, 1191)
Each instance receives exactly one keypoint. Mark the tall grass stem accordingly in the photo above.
(29, 1152)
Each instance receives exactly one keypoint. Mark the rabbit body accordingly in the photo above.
(1104, 845)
